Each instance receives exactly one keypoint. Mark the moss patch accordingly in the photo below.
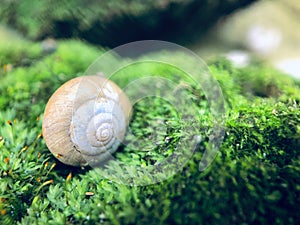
(253, 180)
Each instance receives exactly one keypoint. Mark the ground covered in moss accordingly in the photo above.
(254, 179)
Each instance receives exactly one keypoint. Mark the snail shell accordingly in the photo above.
(85, 120)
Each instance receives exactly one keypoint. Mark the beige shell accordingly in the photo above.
(85, 120)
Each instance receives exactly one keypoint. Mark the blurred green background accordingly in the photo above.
(111, 23)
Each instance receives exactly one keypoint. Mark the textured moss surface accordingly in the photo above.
(254, 179)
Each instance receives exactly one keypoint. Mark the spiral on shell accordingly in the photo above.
(85, 120)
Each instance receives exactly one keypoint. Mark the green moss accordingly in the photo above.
(16, 51)
(27, 89)
(267, 131)
(255, 174)
(256, 80)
